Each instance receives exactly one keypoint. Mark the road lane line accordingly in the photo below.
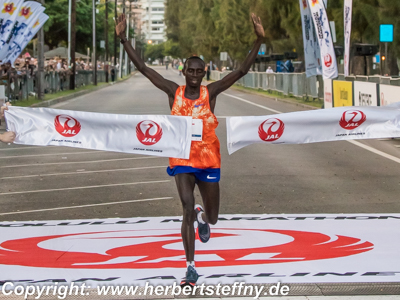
(361, 145)
(81, 162)
(252, 103)
(82, 172)
(53, 154)
(86, 205)
(381, 153)
(84, 187)
(19, 148)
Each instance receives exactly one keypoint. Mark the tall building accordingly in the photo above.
(153, 25)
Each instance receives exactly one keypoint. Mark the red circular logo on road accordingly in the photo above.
(157, 248)
(66, 125)
(274, 131)
(148, 132)
(328, 60)
(351, 119)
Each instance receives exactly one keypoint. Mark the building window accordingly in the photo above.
(155, 28)
(157, 9)
(157, 22)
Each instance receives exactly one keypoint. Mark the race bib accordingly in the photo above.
(197, 130)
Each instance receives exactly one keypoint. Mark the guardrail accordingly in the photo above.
(295, 84)
(298, 85)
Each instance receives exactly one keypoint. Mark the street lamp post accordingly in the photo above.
(94, 62)
(115, 34)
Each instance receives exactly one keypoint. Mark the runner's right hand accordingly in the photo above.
(120, 26)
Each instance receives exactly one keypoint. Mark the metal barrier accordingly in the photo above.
(19, 87)
(297, 84)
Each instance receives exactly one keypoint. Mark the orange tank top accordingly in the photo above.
(203, 154)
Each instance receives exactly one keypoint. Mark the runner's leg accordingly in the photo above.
(185, 183)
(210, 193)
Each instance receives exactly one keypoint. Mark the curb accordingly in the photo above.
(74, 95)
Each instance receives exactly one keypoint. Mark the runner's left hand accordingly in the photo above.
(258, 28)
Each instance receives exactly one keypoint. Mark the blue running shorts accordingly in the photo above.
(207, 175)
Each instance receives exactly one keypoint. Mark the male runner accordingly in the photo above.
(203, 165)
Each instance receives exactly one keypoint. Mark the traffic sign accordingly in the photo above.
(386, 33)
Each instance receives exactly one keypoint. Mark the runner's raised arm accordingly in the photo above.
(169, 87)
(219, 86)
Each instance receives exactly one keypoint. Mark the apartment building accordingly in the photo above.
(152, 21)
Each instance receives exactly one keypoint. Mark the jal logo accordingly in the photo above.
(314, 2)
(328, 60)
(305, 4)
(163, 248)
(351, 119)
(67, 126)
(275, 128)
(148, 132)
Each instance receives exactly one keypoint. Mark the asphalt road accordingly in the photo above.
(52, 183)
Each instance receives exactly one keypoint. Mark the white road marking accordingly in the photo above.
(373, 150)
(84, 187)
(19, 148)
(381, 153)
(82, 172)
(252, 103)
(80, 162)
(86, 205)
(53, 154)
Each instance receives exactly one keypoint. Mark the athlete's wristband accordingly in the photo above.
(124, 40)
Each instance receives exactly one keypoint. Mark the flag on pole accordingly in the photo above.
(27, 14)
(29, 34)
(8, 13)
(310, 43)
(348, 7)
(323, 31)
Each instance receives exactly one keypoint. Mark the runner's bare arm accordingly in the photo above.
(169, 87)
(219, 86)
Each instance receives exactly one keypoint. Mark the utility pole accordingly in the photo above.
(73, 45)
(94, 60)
(115, 34)
(106, 30)
(69, 30)
(40, 73)
(106, 39)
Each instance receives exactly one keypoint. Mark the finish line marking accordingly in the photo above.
(82, 162)
(86, 205)
(361, 145)
(85, 187)
(82, 172)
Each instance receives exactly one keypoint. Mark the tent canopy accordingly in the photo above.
(62, 52)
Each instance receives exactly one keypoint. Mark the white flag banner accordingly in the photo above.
(13, 55)
(310, 43)
(335, 124)
(8, 13)
(158, 135)
(348, 7)
(27, 16)
(321, 23)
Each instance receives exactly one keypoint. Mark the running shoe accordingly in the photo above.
(204, 231)
(191, 277)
